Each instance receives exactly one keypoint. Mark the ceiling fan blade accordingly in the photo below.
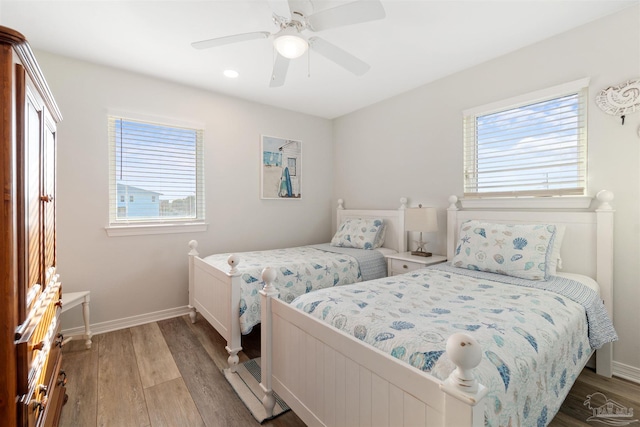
(280, 8)
(287, 10)
(220, 41)
(347, 14)
(300, 7)
(339, 56)
(280, 68)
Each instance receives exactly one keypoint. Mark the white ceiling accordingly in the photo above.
(419, 41)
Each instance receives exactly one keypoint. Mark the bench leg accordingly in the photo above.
(85, 316)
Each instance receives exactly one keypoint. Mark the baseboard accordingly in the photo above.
(127, 322)
(626, 372)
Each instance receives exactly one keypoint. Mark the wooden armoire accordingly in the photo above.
(32, 386)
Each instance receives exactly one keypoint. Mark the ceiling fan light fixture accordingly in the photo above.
(290, 44)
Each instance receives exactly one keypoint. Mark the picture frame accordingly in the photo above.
(280, 168)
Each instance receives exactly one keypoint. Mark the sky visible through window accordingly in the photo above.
(156, 158)
(534, 147)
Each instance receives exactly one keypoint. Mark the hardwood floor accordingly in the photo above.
(168, 373)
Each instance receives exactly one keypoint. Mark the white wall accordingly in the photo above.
(411, 145)
(136, 275)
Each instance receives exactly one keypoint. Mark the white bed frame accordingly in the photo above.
(330, 378)
(216, 293)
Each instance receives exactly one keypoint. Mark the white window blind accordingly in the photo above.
(535, 146)
(156, 173)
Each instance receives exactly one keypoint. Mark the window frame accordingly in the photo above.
(470, 146)
(127, 227)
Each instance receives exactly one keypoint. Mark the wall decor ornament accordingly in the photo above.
(621, 99)
(280, 168)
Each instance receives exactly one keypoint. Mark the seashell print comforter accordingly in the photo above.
(535, 342)
(299, 270)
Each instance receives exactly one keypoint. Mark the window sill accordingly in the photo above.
(147, 229)
(564, 202)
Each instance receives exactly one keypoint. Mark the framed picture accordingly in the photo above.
(280, 168)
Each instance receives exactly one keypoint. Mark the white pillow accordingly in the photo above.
(360, 233)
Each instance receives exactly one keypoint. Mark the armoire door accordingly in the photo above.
(33, 233)
(47, 197)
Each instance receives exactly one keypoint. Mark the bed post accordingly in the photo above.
(462, 389)
(403, 244)
(604, 272)
(266, 333)
(234, 342)
(193, 244)
(452, 225)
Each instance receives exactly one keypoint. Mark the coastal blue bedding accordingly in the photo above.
(299, 270)
(535, 341)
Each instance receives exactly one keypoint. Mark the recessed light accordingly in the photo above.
(232, 74)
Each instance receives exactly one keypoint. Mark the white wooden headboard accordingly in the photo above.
(395, 235)
(587, 246)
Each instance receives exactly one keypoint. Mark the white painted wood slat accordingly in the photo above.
(341, 391)
(379, 402)
(365, 397)
(329, 386)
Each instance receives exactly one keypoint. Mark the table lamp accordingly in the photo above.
(422, 220)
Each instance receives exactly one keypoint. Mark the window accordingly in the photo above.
(533, 145)
(160, 167)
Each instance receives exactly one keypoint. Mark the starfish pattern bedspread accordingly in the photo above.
(299, 270)
(534, 342)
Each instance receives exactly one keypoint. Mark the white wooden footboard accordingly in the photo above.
(330, 378)
(216, 295)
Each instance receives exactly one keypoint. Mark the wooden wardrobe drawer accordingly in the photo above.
(39, 344)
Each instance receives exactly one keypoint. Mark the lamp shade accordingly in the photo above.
(421, 219)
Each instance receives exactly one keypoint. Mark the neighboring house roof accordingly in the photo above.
(121, 188)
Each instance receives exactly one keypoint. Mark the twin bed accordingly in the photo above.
(224, 288)
(452, 345)
(471, 343)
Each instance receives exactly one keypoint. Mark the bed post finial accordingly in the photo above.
(269, 276)
(452, 203)
(465, 352)
(193, 245)
(233, 262)
(340, 204)
(403, 203)
(462, 408)
(604, 197)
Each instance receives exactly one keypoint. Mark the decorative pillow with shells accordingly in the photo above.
(360, 233)
(518, 250)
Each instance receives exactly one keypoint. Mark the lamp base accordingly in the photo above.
(421, 253)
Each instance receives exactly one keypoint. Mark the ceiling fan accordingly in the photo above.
(294, 18)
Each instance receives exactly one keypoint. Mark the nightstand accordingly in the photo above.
(404, 262)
